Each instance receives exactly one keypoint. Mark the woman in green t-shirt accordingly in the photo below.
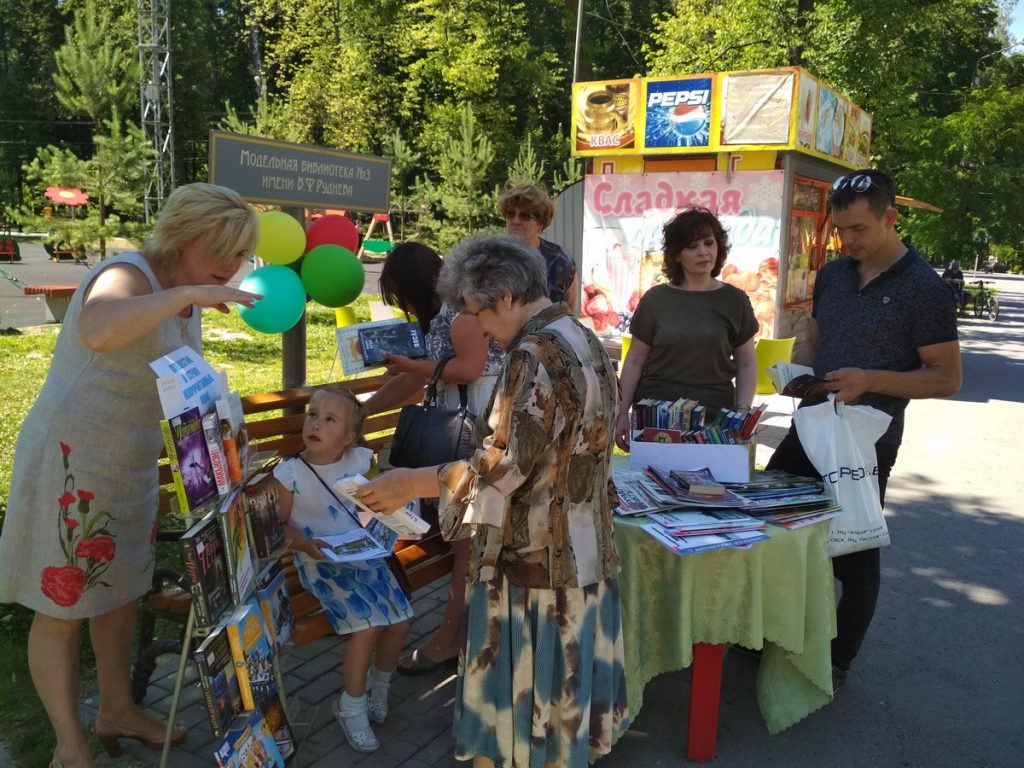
(694, 334)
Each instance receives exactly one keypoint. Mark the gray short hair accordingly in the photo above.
(484, 268)
(216, 215)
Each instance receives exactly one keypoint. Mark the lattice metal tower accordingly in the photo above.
(157, 113)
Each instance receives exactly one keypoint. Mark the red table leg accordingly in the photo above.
(705, 691)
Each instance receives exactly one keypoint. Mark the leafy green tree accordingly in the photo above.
(95, 77)
(404, 160)
(112, 177)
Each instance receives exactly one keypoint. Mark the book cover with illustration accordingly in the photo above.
(215, 447)
(253, 655)
(249, 743)
(191, 468)
(202, 549)
(234, 436)
(216, 670)
(263, 511)
(275, 604)
(241, 571)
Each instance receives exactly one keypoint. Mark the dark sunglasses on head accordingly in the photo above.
(858, 182)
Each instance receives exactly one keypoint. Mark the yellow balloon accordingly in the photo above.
(282, 239)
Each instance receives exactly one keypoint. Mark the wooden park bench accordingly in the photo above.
(424, 561)
(61, 251)
(58, 297)
(9, 250)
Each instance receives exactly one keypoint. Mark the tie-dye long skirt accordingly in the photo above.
(542, 675)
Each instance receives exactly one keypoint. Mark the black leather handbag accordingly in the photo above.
(427, 435)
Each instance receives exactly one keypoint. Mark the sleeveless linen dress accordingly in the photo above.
(81, 517)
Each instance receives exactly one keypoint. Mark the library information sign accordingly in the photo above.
(299, 175)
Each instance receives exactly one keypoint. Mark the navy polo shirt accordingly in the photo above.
(882, 325)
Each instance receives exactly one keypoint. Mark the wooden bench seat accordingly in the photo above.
(58, 297)
(424, 561)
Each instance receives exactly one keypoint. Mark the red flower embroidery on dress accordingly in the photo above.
(96, 548)
(63, 584)
(84, 539)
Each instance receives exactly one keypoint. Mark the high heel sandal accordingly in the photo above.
(112, 741)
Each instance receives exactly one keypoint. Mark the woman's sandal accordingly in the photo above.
(361, 740)
(417, 663)
(112, 741)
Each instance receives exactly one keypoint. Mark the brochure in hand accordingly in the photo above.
(359, 544)
(404, 521)
(400, 338)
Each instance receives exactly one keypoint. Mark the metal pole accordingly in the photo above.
(293, 341)
(579, 39)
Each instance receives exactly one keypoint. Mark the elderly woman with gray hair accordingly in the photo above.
(542, 678)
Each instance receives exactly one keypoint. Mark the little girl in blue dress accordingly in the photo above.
(360, 599)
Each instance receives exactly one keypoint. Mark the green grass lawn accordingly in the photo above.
(253, 363)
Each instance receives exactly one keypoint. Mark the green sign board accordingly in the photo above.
(299, 175)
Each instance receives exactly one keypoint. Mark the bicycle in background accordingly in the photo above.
(985, 302)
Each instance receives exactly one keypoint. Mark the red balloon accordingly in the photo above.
(332, 230)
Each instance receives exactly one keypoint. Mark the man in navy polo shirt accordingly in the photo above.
(882, 332)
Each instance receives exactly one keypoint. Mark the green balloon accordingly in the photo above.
(282, 239)
(332, 275)
(283, 299)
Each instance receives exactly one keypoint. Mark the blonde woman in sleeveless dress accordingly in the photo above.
(77, 541)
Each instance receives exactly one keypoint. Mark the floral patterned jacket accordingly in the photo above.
(537, 494)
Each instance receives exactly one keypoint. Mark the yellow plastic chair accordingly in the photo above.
(627, 339)
(769, 352)
(345, 316)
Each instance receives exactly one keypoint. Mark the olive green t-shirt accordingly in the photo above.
(692, 335)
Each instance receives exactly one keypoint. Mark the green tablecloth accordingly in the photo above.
(779, 593)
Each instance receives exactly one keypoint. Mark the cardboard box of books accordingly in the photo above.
(728, 463)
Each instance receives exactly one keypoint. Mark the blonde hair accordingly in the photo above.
(217, 216)
(528, 198)
(356, 409)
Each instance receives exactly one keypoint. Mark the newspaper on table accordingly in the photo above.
(639, 495)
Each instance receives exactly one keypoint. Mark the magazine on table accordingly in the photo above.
(638, 495)
(691, 545)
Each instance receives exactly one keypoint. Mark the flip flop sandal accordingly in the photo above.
(417, 663)
(377, 702)
(362, 740)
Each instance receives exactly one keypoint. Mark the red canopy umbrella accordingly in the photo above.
(67, 195)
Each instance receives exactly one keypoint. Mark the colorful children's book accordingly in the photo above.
(249, 744)
(262, 509)
(242, 574)
(216, 668)
(252, 652)
(191, 468)
(202, 548)
(254, 664)
(275, 604)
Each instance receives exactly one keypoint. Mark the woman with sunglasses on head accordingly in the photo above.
(528, 210)
(694, 334)
(408, 282)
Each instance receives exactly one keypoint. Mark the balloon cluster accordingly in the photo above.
(329, 271)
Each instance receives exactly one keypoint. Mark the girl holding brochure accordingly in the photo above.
(361, 599)
(77, 540)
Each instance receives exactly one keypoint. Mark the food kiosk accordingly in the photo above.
(759, 148)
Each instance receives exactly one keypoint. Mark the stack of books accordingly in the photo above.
(687, 421)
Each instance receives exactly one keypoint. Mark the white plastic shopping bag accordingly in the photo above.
(839, 440)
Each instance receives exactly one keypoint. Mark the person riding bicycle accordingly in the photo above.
(954, 278)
